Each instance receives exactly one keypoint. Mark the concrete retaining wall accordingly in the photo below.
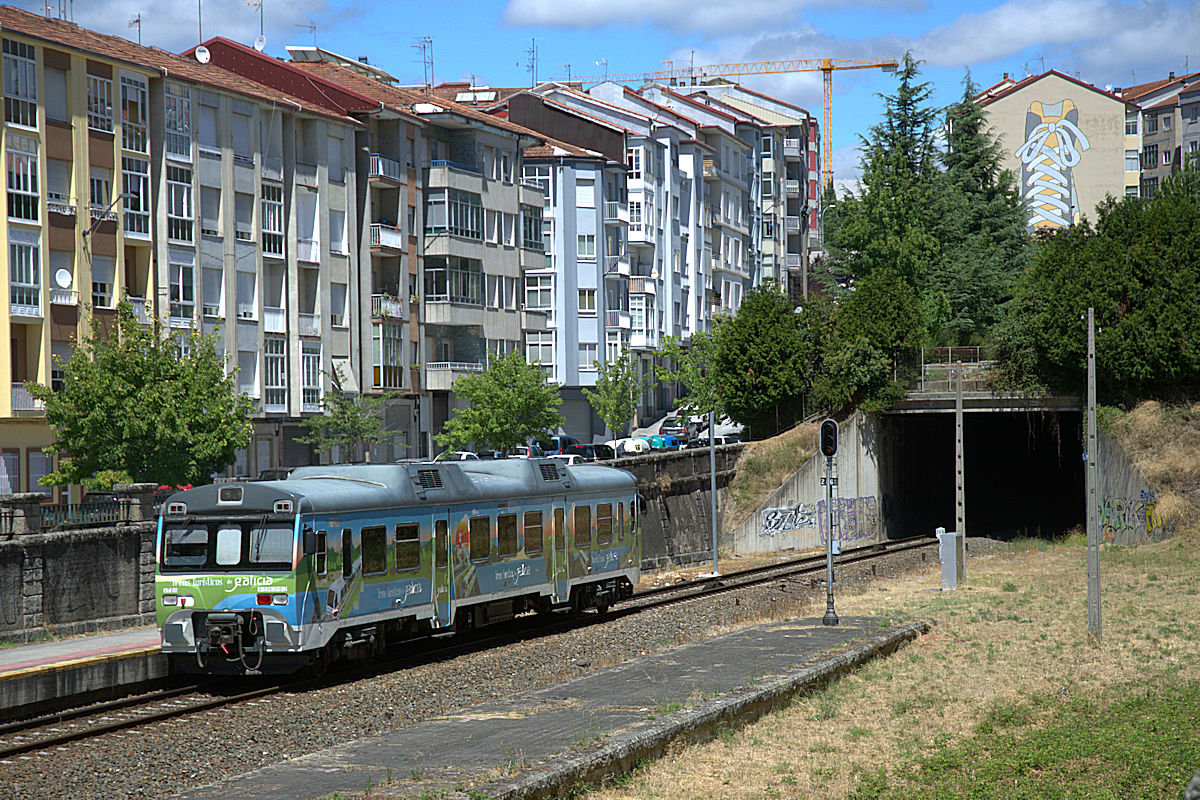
(1127, 504)
(795, 516)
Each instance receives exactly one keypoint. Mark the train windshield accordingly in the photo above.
(241, 545)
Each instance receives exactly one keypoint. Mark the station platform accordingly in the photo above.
(587, 728)
(95, 666)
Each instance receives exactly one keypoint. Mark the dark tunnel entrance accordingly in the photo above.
(1024, 473)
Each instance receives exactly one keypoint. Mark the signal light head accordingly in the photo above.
(829, 438)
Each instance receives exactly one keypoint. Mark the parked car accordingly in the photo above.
(679, 427)
(556, 444)
(630, 446)
(592, 452)
(720, 440)
(571, 458)
(456, 455)
(523, 451)
(276, 474)
(662, 442)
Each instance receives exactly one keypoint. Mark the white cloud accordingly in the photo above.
(171, 24)
(713, 17)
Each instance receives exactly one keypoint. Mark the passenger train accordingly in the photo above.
(337, 562)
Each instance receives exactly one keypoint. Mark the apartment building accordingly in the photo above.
(789, 166)
(470, 228)
(1158, 121)
(1065, 140)
(195, 215)
(1189, 134)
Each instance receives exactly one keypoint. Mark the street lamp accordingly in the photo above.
(100, 218)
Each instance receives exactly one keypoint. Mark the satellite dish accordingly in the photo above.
(63, 278)
(260, 42)
(202, 54)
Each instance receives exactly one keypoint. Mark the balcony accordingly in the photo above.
(384, 306)
(616, 320)
(441, 375)
(615, 212)
(382, 168)
(642, 285)
(272, 168)
(456, 165)
(25, 301)
(791, 224)
(308, 250)
(274, 319)
(141, 309)
(64, 297)
(103, 214)
(791, 148)
(386, 237)
(308, 324)
(22, 400)
(59, 204)
(791, 188)
(617, 266)
(712, 169)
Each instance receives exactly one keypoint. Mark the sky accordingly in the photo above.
(1102, 42)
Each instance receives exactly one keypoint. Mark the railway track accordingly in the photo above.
(56, 730)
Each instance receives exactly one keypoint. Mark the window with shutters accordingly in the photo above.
(103, 272)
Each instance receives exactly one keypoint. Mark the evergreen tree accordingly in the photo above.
(138, 405)
(980, 226)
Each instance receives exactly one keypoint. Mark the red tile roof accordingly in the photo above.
(68, 35)
(1134, 92)
(1034, 78)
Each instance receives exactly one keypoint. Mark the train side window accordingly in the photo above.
(374, 550)
(632, 519)
(560, 526)
(408, 546)
(347, 553)
(604, 522)
(583, 526)
(533, 531)
(481, 538)
(441, 544)
(321, 557)
(620, 520)
(506, 534)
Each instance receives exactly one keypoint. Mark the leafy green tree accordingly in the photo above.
(980, 227)
(1139, 267)
(618, 387)
(691, 364)
(140, 406)
(759, 362)
(347, 421)
(889, 222)
(511, 403)
(853, 373)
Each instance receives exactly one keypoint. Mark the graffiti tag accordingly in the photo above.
(856, 518)
(784, 519)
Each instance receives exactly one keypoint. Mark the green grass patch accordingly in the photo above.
(1134, 741)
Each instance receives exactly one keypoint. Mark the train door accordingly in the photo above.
(559, 555)
(443, 591)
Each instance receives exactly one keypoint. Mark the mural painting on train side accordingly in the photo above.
(857, 518)
(1125, 520)
(1053, 146)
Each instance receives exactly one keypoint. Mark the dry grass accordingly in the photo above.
(1014, 637)
(763, 468)
(1164, 443)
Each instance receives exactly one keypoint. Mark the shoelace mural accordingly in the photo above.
(1053, 146)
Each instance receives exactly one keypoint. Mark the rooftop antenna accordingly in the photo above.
(259, 5)
(136, 22)
(199, 21)
(531, 65)
(311, 27)
(425, 45)
(568, 68)
(603, 63)
(668, 63)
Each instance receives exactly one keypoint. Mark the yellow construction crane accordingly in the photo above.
(825, 66)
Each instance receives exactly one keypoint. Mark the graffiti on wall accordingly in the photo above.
(1122, 518)
(784, 519)
(857, 518)
(1053, 146)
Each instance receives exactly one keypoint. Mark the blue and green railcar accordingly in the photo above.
(339, 561)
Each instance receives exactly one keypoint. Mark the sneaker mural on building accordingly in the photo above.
(1053, 146)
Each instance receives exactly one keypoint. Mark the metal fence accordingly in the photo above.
(938, 365)
(80, 515)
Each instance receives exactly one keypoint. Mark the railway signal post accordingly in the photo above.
(829, 446)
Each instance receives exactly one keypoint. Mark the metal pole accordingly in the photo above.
(831, 617)
(1093, 522)
(712, 485)
(960, 486)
